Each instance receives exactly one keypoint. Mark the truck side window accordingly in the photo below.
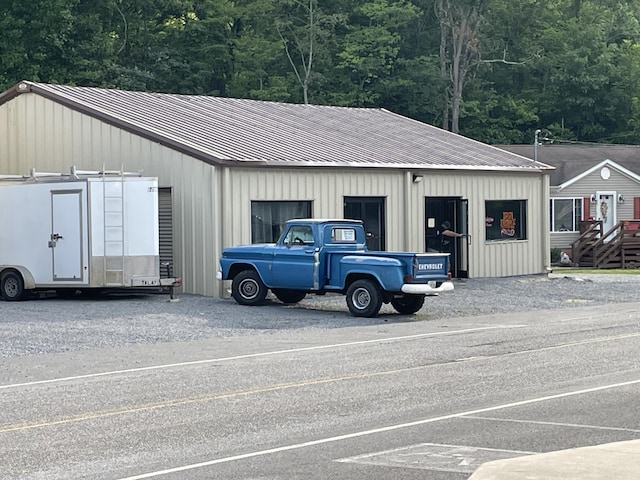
(299, 235)
(343, 235)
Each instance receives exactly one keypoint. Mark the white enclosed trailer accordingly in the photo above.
(81, 231)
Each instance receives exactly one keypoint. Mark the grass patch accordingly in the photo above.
(602, 271)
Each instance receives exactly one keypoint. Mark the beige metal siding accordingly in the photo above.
(486, 258)
(49, 137)
(325, 189)
(405, 208)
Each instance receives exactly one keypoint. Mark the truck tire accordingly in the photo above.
(286, 295)
(247, 288)
(12, 287)
(408, 304)
(364, 298)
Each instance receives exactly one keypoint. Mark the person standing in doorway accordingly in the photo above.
(447, 236)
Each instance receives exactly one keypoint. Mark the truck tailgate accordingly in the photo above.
(430, 266)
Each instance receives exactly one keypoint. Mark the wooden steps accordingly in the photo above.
(617, 248)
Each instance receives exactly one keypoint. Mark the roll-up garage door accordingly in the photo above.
(165, 217)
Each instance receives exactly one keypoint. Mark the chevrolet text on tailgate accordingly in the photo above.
(320, 256)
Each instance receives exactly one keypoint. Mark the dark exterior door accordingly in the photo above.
(371, 211)
(165, 223)
(453, 210)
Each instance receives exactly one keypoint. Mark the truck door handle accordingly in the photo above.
(55, 237)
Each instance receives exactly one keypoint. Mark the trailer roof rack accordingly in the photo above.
(74, 173)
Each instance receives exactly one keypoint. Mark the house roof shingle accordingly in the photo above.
(572, 160)
(250, 132)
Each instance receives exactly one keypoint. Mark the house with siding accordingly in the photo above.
(589, 182)
(232, 171)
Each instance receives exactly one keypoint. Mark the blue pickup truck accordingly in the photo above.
(321, 256)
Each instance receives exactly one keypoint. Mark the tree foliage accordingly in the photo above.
(494, 70)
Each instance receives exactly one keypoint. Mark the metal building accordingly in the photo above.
(231, 171)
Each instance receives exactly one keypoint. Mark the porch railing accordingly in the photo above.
(619, 247)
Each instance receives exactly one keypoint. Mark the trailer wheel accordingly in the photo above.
(408, 304)
(286, 295)
(12, 287)
(364, 298)
(247, 288)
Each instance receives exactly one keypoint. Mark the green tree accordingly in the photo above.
(371, 46)
(34, 42)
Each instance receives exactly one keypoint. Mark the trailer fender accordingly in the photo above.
(27, 277)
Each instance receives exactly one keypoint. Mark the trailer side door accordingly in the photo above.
(66, 235)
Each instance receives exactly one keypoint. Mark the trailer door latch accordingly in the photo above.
(54, 240)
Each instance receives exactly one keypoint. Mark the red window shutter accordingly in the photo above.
(636, 208)
(586, 208)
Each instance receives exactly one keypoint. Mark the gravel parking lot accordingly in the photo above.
(51, 325)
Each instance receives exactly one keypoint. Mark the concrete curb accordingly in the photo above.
(619, 460)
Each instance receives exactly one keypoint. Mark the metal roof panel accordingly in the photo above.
(242, 131)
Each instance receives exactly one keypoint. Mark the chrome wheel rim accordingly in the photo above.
(249, 289)
(361, 298)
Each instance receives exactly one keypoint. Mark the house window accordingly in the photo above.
(268, 218)
(506, 220)
(566, 214)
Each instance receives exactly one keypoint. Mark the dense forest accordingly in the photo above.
(493, 70)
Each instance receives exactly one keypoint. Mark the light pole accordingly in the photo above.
(537, 140)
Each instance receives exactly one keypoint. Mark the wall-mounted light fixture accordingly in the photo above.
(593, 198)
(417, 178)
(620, 198)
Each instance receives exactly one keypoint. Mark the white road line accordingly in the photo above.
(375, 431)
(554, 424)
(255, 355)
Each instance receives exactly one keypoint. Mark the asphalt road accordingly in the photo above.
(398, 400)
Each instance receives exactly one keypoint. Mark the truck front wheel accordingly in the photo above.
(408, 304)
(247, 288)
(12, 287)
(364, 298)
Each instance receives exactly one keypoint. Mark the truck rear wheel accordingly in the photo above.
(12, 287)
(408, 304)
(364, 298)
(247, 288)
(286, 295)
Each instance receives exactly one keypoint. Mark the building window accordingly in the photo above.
(566, 214)
(506, 220)
(268, 218)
